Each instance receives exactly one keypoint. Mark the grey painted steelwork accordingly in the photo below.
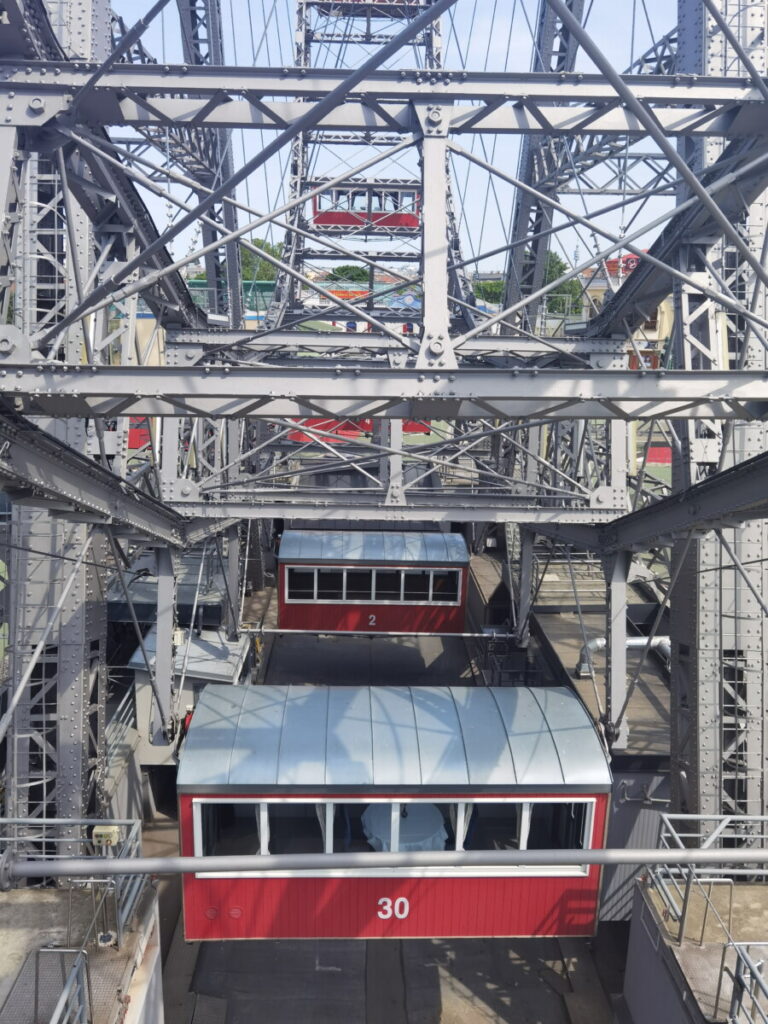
(35, 465)
(56, 736)
(203, 44)
(361, 738)
(225, 391)
(718, 624)
(680, 101)
(554, 51)
(349, 546)
(530, 429)
(738, 494)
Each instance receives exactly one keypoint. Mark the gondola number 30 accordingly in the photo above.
(400, 908)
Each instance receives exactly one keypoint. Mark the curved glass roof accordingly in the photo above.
(374, 546)
(299, 738)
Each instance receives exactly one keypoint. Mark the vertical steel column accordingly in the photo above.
(616, 570)
(203, 44)
(232, 576)
(435, 347)
(164, 647)
(56, 741)
(525, 587)
(554, 51)
(390, 434)
(719, 632)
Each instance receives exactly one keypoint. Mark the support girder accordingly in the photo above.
(112, 201)
(196, 342)
(359, 391)
(37, 468)
(648, 285)
(438, 507)
(736, 495)
(538, 104)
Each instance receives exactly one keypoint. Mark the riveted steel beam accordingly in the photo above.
(364, 390)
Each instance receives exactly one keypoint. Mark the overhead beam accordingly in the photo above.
(37, 468)
(454, 507)
(360, 390)
(734, 496)
(198, 342)
(231, 97)
(48, 77)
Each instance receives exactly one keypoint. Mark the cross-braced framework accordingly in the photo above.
(430, 219)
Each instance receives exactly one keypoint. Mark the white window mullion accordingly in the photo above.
(329, 827)
(394, 829)
(263, 828)
(197, 828)
(458, 825)
(525, 825)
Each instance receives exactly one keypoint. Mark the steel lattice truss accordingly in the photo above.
(377, 111)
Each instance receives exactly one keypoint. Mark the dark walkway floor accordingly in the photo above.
(431, 981)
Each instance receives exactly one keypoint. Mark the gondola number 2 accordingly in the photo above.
(399, 908)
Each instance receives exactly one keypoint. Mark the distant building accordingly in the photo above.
(604, 279)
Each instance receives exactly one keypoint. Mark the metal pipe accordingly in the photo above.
(137, 629)
(376, 632)
(90, 867)
(191, 629)
(655, 626)
(6, 719)
(599, 643)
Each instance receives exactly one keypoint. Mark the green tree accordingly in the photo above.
(566, 298)
(489, 291)
(349, 272)
(254, 267)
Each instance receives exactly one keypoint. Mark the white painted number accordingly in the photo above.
(401, 908)
(371, 620)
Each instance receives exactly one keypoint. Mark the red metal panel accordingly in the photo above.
(370, 618)
(274, 908)
(138, 432)
(348, 429)
(392, 907)
(356, 221)
(660, 454)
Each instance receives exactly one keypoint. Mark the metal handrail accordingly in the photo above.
(126, 889)
(708, 832)
(75, 1002)
(748, 982)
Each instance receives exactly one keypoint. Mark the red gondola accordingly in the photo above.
(386, 208)
(348, 430)
(271, 770)
(372, 8)
(372, 582)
